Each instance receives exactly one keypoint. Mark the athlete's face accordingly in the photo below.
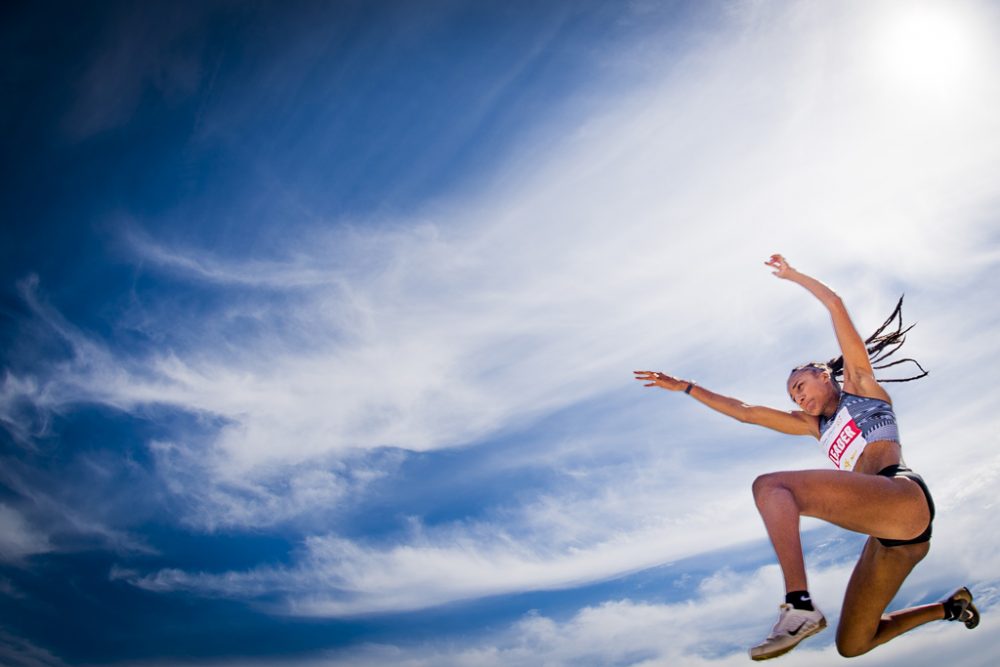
(811, 390)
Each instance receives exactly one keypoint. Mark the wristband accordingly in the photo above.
(688, 389)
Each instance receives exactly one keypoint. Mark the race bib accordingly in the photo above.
(842, 441)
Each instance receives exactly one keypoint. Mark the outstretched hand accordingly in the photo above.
(781, 267)
(658, 379)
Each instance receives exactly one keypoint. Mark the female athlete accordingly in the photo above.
(871, 491)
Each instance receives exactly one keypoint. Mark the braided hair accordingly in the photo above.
(881, 345)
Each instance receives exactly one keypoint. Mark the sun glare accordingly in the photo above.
(928, 47)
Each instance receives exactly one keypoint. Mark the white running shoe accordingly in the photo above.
(793, 626)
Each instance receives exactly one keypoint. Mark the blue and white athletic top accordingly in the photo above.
(858, 421)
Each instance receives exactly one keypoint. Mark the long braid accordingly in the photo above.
(880, 346)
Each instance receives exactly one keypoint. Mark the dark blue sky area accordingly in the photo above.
(232, 126)
(229, 124)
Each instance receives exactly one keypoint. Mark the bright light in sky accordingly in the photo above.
(929, 48)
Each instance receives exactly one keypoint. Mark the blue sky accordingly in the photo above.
(318, 321)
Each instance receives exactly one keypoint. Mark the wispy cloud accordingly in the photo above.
(18, 539)
(148, 49)
(546, 545)
(18, 652)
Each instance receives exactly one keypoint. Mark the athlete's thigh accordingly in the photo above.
(871, 504)
(874, 583)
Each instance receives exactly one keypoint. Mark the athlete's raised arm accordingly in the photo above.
(793, 423)
(859, 378)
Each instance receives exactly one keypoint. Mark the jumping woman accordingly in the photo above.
(871, 491)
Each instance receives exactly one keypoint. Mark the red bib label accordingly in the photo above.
(842, 441)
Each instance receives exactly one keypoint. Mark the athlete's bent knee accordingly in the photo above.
(764, 484)
(852, 649)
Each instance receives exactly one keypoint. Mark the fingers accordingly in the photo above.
(654, 379)
(779, 264)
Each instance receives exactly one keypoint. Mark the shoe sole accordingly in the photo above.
(782, 651)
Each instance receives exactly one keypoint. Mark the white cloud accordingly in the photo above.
(554, 542)
(18, 539)
(572, 537)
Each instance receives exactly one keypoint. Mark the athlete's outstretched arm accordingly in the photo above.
(794, 423)
(859, 378)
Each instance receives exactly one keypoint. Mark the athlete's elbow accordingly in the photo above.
(746, 415)
(834, 302)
